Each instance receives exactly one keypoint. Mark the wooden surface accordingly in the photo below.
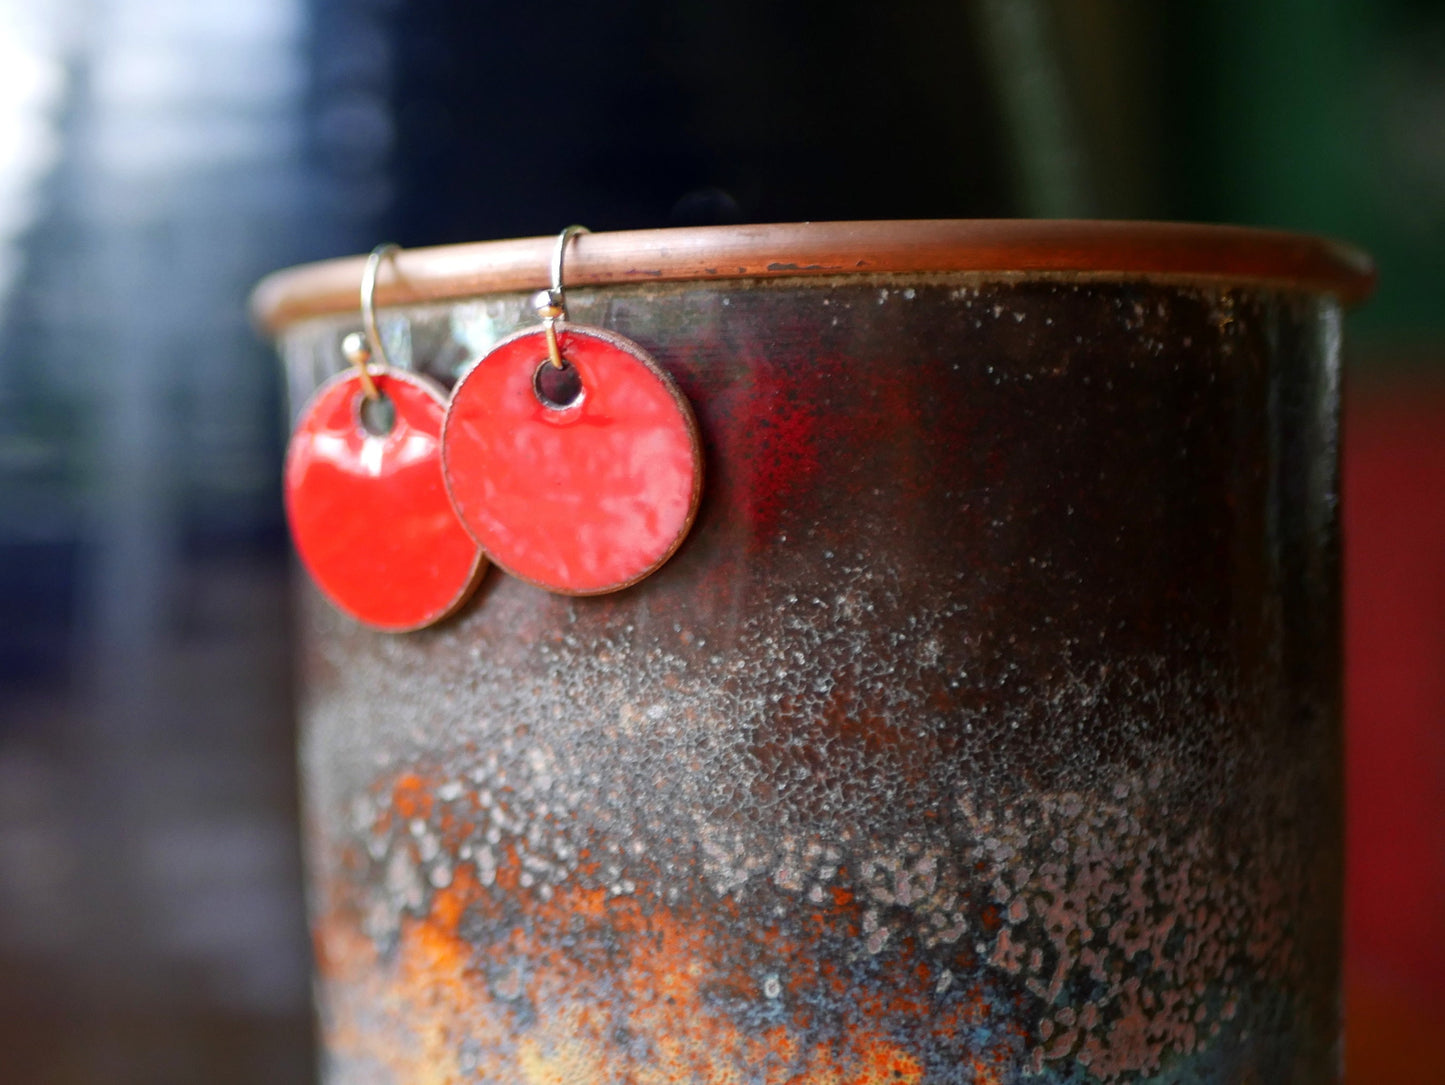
(1155, 250)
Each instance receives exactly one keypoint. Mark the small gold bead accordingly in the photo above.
(355, 349)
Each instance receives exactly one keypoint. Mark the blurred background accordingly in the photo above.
(159, 156)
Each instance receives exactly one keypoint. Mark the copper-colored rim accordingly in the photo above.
(1159, 250)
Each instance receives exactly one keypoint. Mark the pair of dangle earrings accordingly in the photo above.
(564, 455)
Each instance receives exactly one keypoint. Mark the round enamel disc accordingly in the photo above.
(578, 495)
(369, 513)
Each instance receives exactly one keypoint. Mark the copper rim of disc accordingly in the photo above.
(1177, 252)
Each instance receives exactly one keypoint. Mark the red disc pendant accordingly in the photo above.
(369, 511)
(581, 480)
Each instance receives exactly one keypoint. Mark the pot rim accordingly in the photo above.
(1189, 253)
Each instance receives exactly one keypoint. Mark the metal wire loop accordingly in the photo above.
(552, 304)
(376, 348)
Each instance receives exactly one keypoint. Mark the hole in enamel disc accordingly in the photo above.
(378, 416)
(556, 388)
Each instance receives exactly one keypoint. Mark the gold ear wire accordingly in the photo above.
(552, 304)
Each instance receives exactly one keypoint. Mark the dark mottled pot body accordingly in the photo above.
(986, 726)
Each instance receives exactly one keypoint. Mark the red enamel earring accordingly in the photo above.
(570, 454)
(364, 492)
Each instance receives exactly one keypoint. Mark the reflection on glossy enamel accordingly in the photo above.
(375, 527)
(583, 500)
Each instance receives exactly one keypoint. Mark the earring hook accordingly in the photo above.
(368, 298)
(552, 304)
(359, 350)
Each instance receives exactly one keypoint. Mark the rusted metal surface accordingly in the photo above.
(984, 729)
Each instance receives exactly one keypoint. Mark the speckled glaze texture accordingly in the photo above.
(984, 729)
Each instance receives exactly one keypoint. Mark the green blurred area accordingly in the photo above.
(1329, 115)
(1318, 115)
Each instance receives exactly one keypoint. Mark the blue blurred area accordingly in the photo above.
(151, 923)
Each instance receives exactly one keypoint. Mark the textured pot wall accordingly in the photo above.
(986, 725)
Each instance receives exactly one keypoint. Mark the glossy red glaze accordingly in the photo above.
(584, 499)
(370, 515)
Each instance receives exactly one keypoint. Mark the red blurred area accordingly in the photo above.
(1394, 524)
